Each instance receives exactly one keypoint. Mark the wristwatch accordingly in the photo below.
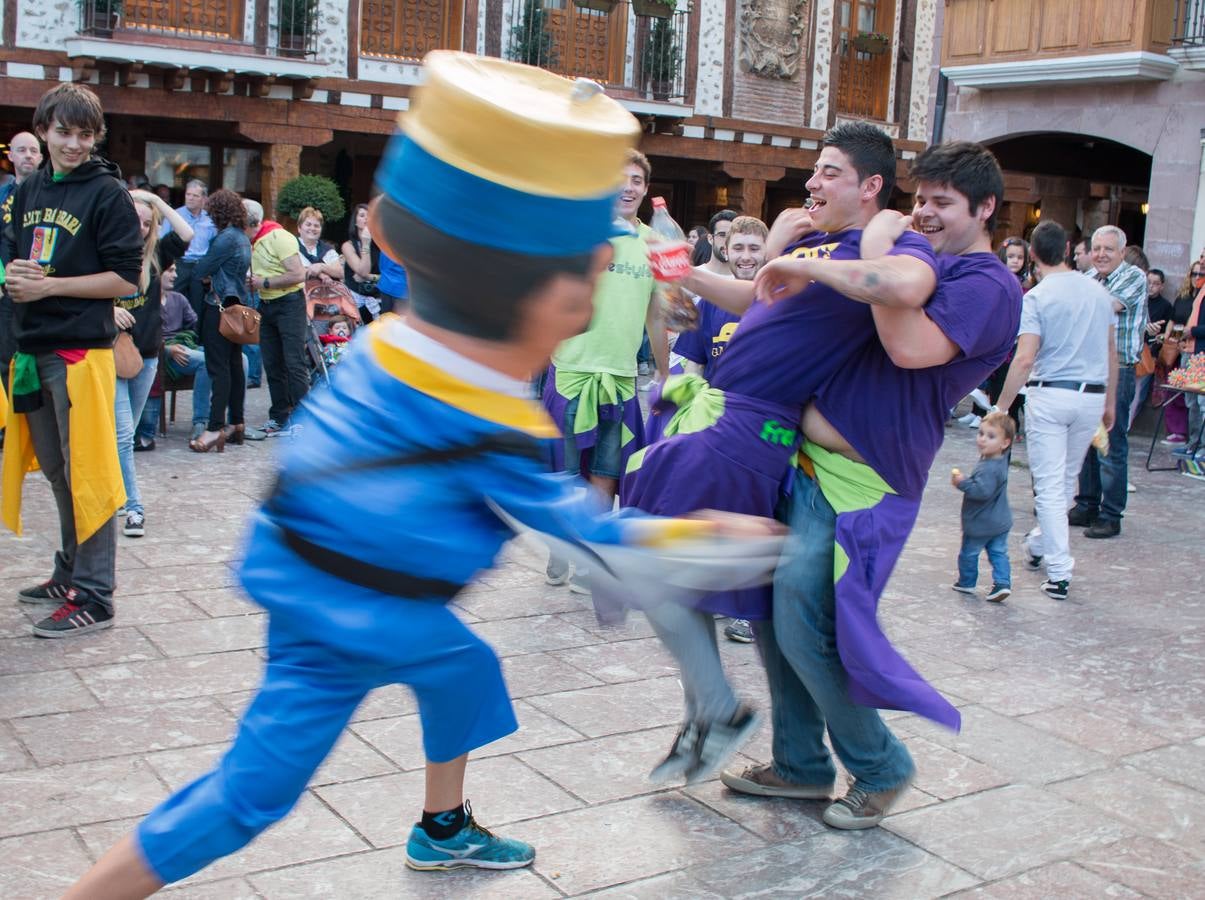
(267, 284)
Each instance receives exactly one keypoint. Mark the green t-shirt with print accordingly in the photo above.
(621, 301)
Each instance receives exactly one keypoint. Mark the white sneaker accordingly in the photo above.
(970, 420)
(1130, 489)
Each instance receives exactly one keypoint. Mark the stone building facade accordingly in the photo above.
(734, 95)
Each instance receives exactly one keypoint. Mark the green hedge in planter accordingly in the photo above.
(311, 190)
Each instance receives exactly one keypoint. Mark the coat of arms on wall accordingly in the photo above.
(772, 37)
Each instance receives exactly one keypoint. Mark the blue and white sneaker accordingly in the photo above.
(471, 846)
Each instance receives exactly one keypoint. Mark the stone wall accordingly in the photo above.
(769, 82)
(1163, 119)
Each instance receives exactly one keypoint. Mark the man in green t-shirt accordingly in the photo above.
(277, 274)
(590, 390)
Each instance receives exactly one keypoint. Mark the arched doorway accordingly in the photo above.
(1078, 180)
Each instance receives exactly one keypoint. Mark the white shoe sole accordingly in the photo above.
(963, 590)
(449, 865)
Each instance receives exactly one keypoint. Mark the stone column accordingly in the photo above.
(279, 164)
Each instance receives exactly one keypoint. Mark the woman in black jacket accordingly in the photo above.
(225, 265)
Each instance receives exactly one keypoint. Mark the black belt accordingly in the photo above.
(1082, 387)
(296, 293)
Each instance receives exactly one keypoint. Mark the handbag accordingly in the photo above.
(1169, 353)
(1146, 362)
(126, 358)
(239, 324)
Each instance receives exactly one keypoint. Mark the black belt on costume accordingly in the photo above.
(1082, 387)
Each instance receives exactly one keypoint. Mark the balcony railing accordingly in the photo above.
(293, 31)
(614, 44)
(212, 20)
(863, 76)
(1189, 27)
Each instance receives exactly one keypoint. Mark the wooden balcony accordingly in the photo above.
(1008, 43)
(207, 20)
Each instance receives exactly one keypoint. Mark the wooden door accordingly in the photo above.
(587, 43)
(863, 78)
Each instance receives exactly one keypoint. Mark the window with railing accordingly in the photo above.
(196, 19)
(638, 46)
(408, 29)
(297, 27)
(1189, 27)
(864, 57)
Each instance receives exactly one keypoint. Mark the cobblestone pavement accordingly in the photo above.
(1079, 772)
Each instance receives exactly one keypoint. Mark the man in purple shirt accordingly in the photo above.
(871, 433)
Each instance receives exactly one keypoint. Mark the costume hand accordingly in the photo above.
(781, 278)
(789, 227)
(178, 353)
(739, 525)
(123, 318)
(882, 231)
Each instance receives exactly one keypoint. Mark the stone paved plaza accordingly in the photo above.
(1079, 772)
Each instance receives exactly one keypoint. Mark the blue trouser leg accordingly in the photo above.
(689, 635)
(807, 680)
(997, 555)
(306, 699)
(968, 560)
(1103, 483)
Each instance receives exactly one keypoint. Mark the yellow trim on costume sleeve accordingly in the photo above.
(662, 533)
(513, 412)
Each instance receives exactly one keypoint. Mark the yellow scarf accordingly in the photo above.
(97, 490)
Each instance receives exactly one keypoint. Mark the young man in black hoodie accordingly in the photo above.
(75, 245)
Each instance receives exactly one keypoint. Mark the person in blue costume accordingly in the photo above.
(400, 488)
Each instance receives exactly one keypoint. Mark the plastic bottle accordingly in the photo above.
(669, 258)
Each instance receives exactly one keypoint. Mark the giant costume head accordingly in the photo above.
(500, 176)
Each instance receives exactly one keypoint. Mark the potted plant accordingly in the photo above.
(662, 59)
(310, 190)
(298, 21)
(531, 41)
(871, 42)
(657, 9)
(597, 5)
(100, 17)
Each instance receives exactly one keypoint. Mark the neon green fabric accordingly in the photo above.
(25, 374)
(699, 407)
(621, 302)
(593, 389)
(847, 486)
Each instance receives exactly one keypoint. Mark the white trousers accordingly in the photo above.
(1059, 425)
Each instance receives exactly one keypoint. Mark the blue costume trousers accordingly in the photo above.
(308, 694)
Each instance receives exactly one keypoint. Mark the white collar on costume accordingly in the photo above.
(402, 336)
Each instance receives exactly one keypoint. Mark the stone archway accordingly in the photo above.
(1081, 181)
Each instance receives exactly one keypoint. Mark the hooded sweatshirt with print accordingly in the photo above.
(80, 225)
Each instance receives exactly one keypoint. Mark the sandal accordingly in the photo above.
(217, 443)
(235, 434)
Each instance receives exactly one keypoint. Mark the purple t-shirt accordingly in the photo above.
(786, 351)
(705, 345)
(895, 418)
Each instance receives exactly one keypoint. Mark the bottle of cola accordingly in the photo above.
(669, 258)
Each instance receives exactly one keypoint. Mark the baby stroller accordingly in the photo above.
(333, 318)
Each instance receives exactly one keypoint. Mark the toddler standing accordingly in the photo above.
(986, 517)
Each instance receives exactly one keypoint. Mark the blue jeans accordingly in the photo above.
(1102, 483)
(253, 362)
(807, 680)
(608, 446)
(131, 397)
(997, 554)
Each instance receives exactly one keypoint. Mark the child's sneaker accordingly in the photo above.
(48, 592)
(719, 741)
(963, 588)
(78, 615)
(683, 754)
(135, 525)
(1056, 589)
(1033, 561)
(739, 630)
(999, 593)
(471, 846)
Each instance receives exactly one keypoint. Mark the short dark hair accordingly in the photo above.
(1136, 256)
(447, 293)
(969, 168)
(870, 150)
(1049, 243)
(226, 208)
(1159, 272)
(74, 106)
(724, 215)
